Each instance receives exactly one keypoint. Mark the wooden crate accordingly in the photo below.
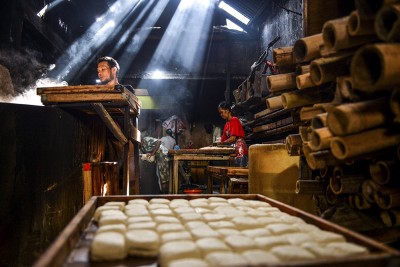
(72, 246)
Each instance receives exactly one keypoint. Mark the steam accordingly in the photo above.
(21, 73)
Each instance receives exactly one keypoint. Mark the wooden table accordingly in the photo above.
(223, 173)
(108, 102)
(225, 154)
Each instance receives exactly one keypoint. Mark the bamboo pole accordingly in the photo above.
(357, 25)
(387, 23)
(376, 67)
(308, 113)
(304, 81)
(305, 133)
(390, 218)
(281, 82)
(294, 144)
(307, 48)
(319, 121)
(310, 187)
(344, 86)
(387, 197)
(321, 159)
(327, 69)
(274, 102)
(355, 117)
(283, 56)
(368, 188)
(364, 143)
(361, 203)
(336, 36)
(306, 97)
(346, 184)
(320, 139)
(385, 172)
(302, 69)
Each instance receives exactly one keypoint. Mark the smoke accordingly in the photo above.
(24, 68)
(21, 72)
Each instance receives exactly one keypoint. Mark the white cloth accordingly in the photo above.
(168, 142)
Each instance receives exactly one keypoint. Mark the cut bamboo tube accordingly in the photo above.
(390, 218)
(331, 198)
(321, 159)
(307, 48)
(336, 36)
(387, 23)
(327, 69)
(346, 184)
(310, 187)
(358, 25)
(324, 172)
(281, 82)
(307, 113)
(274, 102)
(395, 104)
(355, 117)
(368, 189)
(304, 81)
(283, 56)
(385, 172)
(305, 133)
(319, 121)
(344, 86)
(364, 143)
(302, 69)
(387, 197)
(320, 139)
(376, 67)
(306, 97)
(294, 144)
(361, 203)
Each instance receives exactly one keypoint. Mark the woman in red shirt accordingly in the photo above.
(233, 133)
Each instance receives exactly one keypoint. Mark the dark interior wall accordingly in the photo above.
(286, 22)
(42, 151)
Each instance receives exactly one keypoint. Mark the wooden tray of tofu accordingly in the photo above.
(72, 247)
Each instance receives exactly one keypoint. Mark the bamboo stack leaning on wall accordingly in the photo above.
(358, 58)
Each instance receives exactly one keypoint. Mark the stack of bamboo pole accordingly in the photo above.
(347, 96)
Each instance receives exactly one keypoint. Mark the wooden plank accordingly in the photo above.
(110, 123)
(77, 89)
(56, 254)
(273, 125)
(81, 97)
